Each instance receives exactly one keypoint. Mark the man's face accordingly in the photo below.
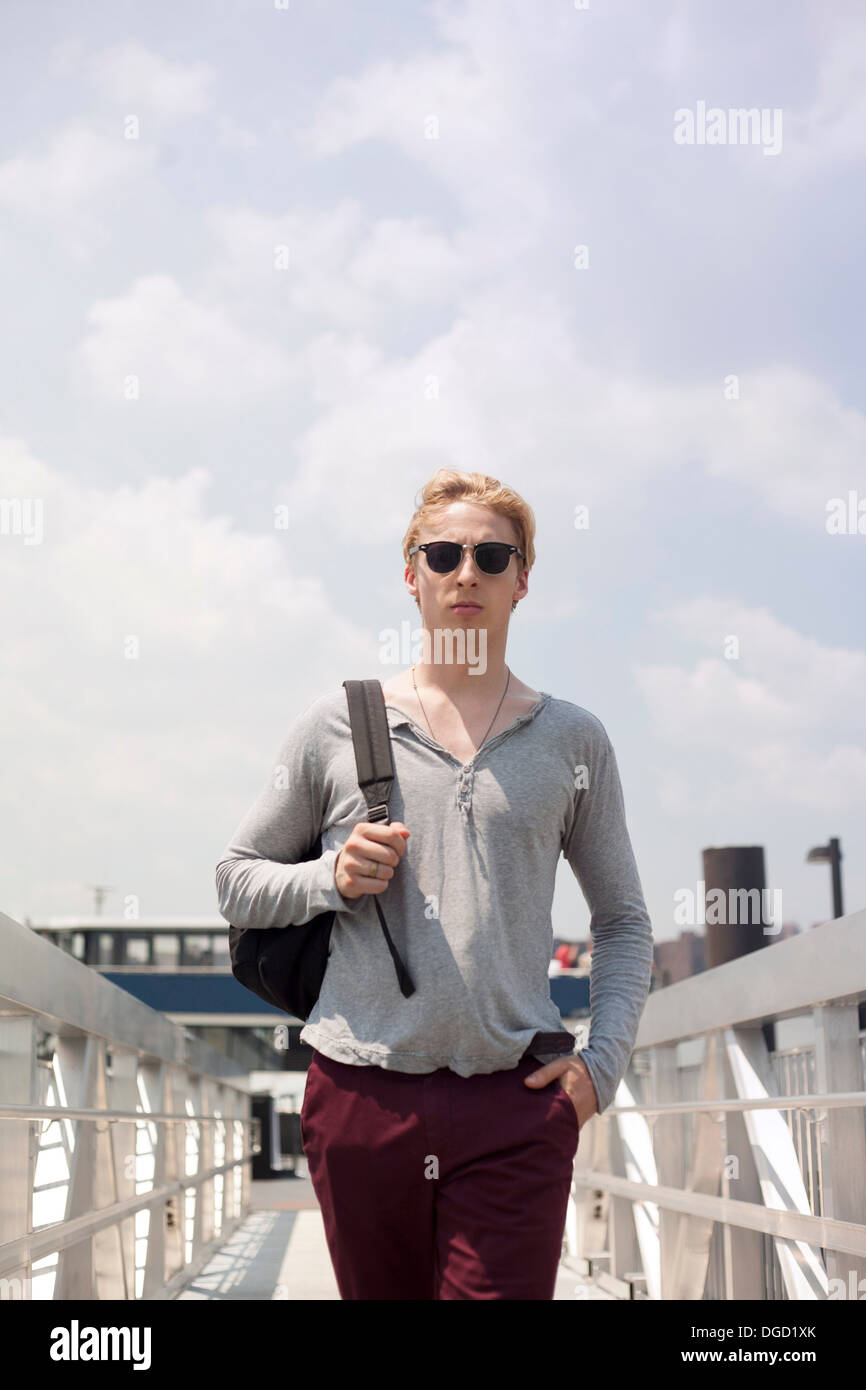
(441, 595)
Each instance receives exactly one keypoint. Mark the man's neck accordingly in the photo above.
(464, 681)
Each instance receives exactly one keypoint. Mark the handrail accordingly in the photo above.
(143, 1209)
(711, 1106)
(783, 980)
(60, 1235)
(847, 1236)
(43, 980)
(839, 1100)
(65, 1112)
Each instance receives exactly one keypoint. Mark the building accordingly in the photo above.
(181, 966)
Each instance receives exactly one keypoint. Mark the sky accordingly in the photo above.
(264, 267)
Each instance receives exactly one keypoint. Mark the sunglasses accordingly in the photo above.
(491, 557)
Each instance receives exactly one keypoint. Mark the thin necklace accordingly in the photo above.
(489, 726)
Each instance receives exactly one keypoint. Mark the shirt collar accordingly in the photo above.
(396, 717)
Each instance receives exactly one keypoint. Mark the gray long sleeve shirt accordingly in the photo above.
(469, 906)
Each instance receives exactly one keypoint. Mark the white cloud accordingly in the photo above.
(343, 268)
(783, 725)
(137, 763)
(145, 559)
(177, 348)
(789, 439)
(65, 182)
(517, 390)
(233, 136)
(141, 80)
(831, 128)
(76, 166)
(467, 121)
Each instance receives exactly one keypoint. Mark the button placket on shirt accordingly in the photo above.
(464, 789)
(467, 771)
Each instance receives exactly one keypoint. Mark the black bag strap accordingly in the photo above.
(371, 738)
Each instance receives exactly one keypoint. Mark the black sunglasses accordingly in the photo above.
(492, 557)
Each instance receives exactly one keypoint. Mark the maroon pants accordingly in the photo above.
(439, 1186)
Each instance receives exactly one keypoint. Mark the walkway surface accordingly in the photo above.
(280, 1252)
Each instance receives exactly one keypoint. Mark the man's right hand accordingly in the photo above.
(369, 841)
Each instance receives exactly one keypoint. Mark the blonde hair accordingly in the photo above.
(448, 485)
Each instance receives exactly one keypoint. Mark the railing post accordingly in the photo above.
(80, 1060)
(744, 1247)
(625, 1254)
(196, 1093)
(241, 1107)
(173, 1210)
(842, 1136)
(587, 1235)
(685, 1265)
(208, 1094)
(18, 1085)
(116, 1266)
(669, 1152)
(220, 1098)
(152, 1074)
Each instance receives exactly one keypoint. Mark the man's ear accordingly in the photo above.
(410, 573)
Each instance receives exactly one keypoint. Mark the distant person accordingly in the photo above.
(441, 1129)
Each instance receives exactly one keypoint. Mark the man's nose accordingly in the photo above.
(467, 569)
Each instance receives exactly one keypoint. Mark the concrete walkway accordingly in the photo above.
(280, 1252)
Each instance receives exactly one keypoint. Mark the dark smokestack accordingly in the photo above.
(742, 930)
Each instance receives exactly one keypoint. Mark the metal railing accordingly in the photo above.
(731, 1166)
(125, 1143)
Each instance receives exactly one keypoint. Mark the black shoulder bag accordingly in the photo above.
(285, 966)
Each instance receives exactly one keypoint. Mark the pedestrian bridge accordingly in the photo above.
(732, 1165)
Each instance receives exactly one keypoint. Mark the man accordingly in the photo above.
(441, 1129)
